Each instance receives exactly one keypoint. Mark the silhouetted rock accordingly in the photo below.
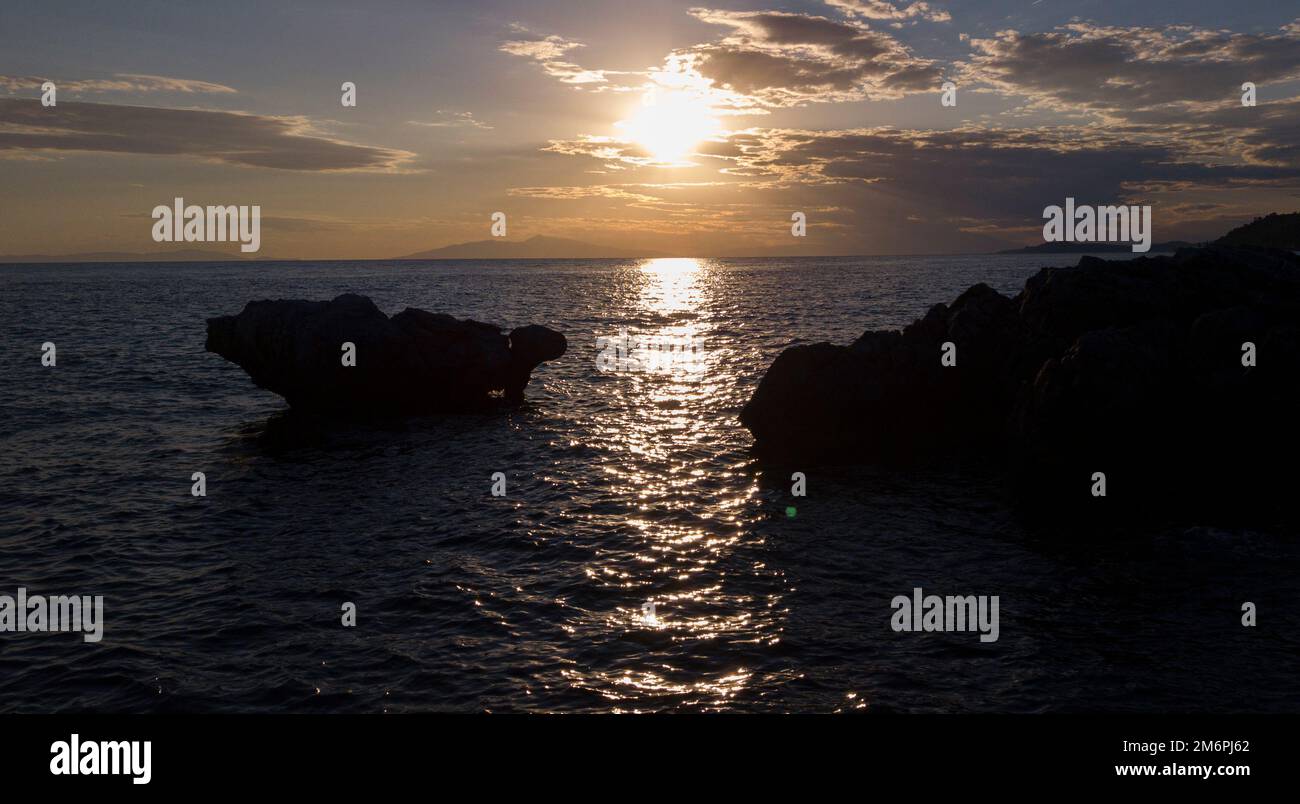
(1131, 368)
(415, 362)
(1271, 231)
(887, 396)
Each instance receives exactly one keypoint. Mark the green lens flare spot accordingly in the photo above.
(790, 511)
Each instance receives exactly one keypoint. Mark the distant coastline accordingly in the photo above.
(1097, 248)
(538, 247)
(1276, 230)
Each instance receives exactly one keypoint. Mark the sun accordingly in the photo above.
(670, 125)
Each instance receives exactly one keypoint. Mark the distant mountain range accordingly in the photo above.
(538, 247)
(1095, 248)
(1276, 230)
(179, 255)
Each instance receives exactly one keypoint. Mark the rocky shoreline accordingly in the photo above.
(1170, 375)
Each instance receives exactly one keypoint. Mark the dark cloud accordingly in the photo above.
(992, 168)
(754, 72)
(1125, 71)
(785, 59)
(1266, 134)
(284, 143)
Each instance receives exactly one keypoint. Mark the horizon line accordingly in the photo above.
(54, 259)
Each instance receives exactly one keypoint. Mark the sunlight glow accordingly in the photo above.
(669, 125)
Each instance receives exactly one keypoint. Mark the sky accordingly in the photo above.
(691, 129)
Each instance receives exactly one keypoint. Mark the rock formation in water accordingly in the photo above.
(1135, 369)
(415, 362)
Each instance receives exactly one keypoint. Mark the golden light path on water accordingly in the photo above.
(685, 520)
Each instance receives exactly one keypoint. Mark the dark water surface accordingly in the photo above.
(623, 489)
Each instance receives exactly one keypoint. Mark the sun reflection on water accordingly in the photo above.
(674, 284)
(674, 547)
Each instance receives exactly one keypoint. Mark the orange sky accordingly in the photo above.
(673, 128)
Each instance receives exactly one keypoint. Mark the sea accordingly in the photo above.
(641, 558)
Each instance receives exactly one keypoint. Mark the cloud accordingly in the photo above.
(1267, 135)
(981, 180)
(1118, 72)
(616, 153)
(612, 191)
(122, 82)
(995, 180)
(1090, 158)
(283, 143)
(781, 59)
(550, 52)
(883, 10)
(1178, 85)
(450, 119)
(642, 193)
(623, 154)
(768, 60)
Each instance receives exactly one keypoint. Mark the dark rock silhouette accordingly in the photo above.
(1271, 231)
(415, 362)
(1130, 368)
